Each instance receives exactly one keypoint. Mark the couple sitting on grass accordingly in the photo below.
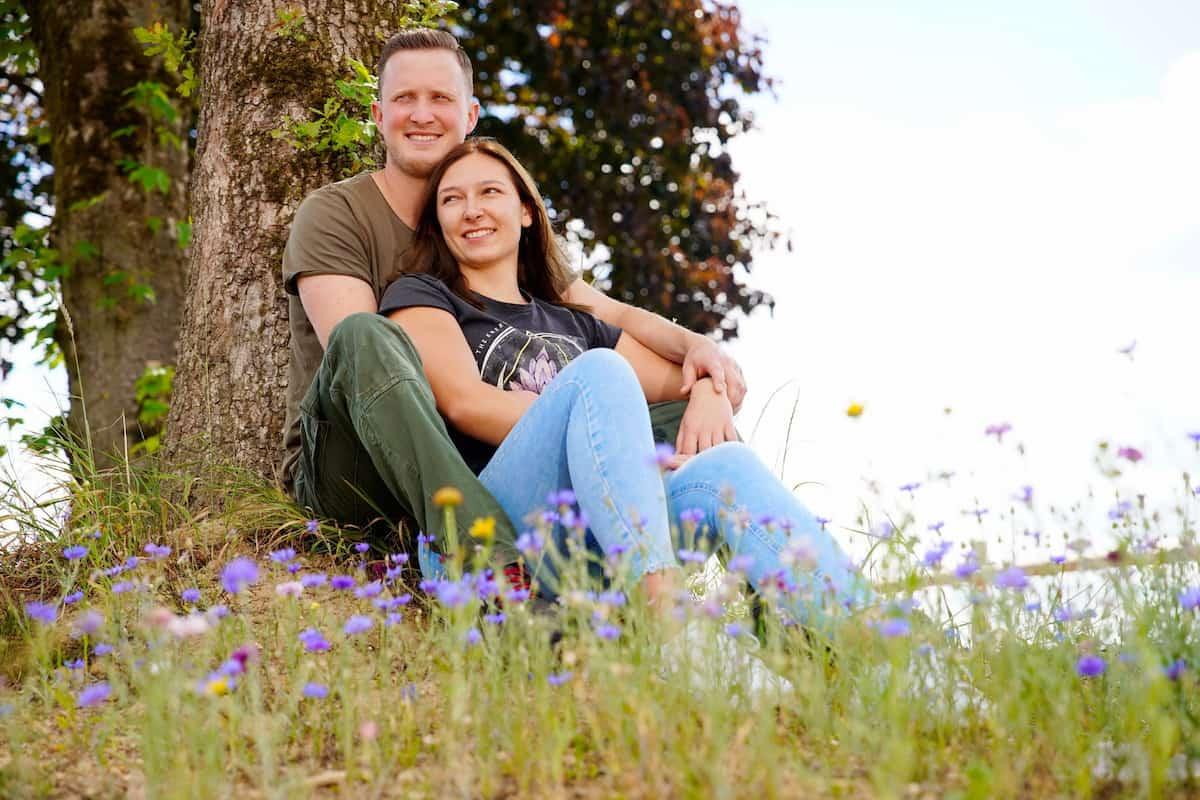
(482, 363)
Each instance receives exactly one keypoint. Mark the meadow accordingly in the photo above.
(152, 650)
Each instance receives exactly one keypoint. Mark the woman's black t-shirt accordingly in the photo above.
(516, 346)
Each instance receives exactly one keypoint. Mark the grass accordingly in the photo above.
(437, 699)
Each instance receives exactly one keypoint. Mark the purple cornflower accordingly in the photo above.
(884, 530)
(1175, 669)
(663, 453)
(394, 618)
(238, 574)
(313, 640)
(77, 663)
(486, 586)
(549, 517)
(102, 649)
(358, 623)
(823, 521)
(1195, 437)
(424, 539)
(559, 678)
(316, 691)
(121, 587)
(386, 603)
(1026, 495)
(283, 555)
(1119, 510)
(937, 526)
(294, 567)
(91, 695)
(563, 497)
(73, 597)
(408, 692)
(517, 596)
(734, 629)
(1034, 605)
(453, 594)
(692, 556)
(496, 618)
(1064, 614)
(741, 563)
(219, 611)
(892, 627)
(1090, 666)
(473, 637)
(575, 519)
(934, 555)
(132, 562)
(910, 487)
(1012, 578)
(764, 520)
(1188, 598)
(75, 552)
(342, 582)
(428, 586)
(1058, 559)
(978, 512)
(608, 631)
(398, 558)
(313, 579)
(312, 526)
(362, 547)
(87, 623)
(691, 516)
(968, 567)
(372, 589)
(392, 573)
(191, 595)
(157, 551)
(1131, 454)
(530, 543)
(998, 430)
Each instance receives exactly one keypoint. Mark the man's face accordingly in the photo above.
(424, 112)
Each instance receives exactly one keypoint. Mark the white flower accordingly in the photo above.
(289, 589)
(191, 625)
(798, 552)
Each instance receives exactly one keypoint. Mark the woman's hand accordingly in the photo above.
(708, 420)
(705, 357)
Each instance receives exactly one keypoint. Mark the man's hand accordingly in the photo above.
(708, 420)
(706, 358)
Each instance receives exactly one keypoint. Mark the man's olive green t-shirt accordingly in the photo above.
(345, 228)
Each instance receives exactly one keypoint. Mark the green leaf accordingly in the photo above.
(183, 233)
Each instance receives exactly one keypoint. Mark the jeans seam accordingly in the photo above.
(706, 488)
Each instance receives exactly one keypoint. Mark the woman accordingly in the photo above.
(540, 395)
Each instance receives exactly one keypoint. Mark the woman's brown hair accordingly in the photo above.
(542, 269)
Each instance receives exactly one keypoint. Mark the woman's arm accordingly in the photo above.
(476, 408)
(708, 420)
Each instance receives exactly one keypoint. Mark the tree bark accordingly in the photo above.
(104, 225)
(256, 72)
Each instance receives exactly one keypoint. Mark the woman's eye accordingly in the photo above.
(448, 198)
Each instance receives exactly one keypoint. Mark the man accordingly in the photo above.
(364, 438)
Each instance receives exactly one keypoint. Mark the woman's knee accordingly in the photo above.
(602, 367)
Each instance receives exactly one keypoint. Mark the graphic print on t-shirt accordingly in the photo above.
(516, 359)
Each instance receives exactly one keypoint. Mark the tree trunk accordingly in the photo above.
(258, 68)
(122, 293)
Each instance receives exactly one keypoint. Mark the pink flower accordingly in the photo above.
(537, 374)
(1131, 453)
(997, 430)
(289, 589)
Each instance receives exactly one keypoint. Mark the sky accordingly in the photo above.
(986, 202)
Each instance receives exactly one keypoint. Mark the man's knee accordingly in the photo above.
(356, 329)
(365, 340)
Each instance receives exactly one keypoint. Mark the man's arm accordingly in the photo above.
(698, 355)
(329, 299)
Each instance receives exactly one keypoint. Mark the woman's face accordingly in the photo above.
(481, 213)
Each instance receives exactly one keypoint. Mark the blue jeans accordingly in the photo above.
(589, 431)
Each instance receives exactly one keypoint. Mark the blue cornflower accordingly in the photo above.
(497, 618)
(121, 587)
(428, 586)
(91, 695)
(549, 517)
(895, 626)
(764, 520)
(968, 567)
(563, 497)
(372, 589)
(884, 530)
(157, 551)
(978, 512)
(312, 526)
(316, 691)
(924, 649)
(823, 521)
(231, 668)
(398, 558)
(313, 579)
(238, 574)
(1188, 598)
(425, 539)
(741, 563)
(517, 596)
(394, 618)
(294, 567)
(559, 678)
(575, 519)
(608, 631)
(1012, 578)
(734, 629)
(934, 555)
(313, 640)
(486, 586)
(77, 663)
(342, 582)
(75, 552)
(1026, 495)
(473, 637)
(1058, 559)
(692, 556)
(218, 611)
(937, 526)
(911, 487)
(1194, 436)
(408, 692)
(614, 598)
(132, 562)
(1175, 669)
(530, 543)
(1090, 666)
(453, 594)
(1065, 614)
(404, 599)
(358, 624)
(102, 649)
(283, 555)
(73, 597)
(1033, 606)
(663, 453)
(190, 595)
(87, 623)
(362, 547)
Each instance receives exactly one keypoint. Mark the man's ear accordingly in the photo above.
(377, 114)
(472, 115)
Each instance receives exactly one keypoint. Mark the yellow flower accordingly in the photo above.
(447, 496)
(484, 528)
(217, 686)
(855, 410)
